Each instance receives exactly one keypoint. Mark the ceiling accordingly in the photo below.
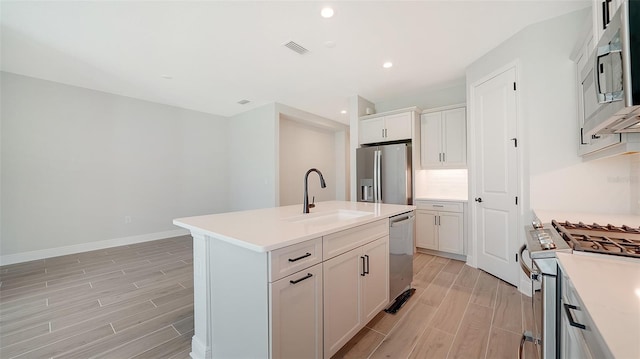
(207, 56)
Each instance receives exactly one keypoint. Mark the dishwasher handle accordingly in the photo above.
(401, 222)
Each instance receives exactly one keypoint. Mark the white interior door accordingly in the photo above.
(497, 176)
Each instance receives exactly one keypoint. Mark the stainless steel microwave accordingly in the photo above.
(611, 79)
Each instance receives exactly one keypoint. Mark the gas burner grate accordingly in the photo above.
(609, 239)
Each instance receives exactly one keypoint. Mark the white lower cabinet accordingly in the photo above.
(579, 338)
(296, 315)
(356, 288)
(303, 301)
(441, 227)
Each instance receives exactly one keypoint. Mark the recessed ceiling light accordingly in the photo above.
(387, 65)
(343, 112)
(326, 12)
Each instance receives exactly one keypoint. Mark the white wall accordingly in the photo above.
(76, 162)
(452, 93)
(552, 172)
(302, 147)
(553, 176)
(253, 160)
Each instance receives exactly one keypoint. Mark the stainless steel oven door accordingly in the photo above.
(530, 347)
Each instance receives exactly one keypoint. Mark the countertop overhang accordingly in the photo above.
(267, 229)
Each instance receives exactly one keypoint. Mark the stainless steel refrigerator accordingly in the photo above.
(384, 174)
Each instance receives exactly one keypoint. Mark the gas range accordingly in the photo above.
(595, 238)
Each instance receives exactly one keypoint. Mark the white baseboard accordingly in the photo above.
(85, 247)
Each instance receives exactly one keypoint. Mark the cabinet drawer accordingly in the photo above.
(440, 206)
(288, 260)
(340, 242)
(595, 344)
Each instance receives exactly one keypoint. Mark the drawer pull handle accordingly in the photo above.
(572, 322)
(299, 258)
(438, 205)
(367, 270)
(309, 275)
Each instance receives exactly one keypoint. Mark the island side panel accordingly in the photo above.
(201, 341)
(230, 300)
(239, 301)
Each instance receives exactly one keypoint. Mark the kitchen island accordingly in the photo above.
(275, 282)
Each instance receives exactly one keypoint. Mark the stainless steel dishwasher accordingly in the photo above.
(401, 246)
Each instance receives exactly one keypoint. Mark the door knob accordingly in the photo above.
(479, 200)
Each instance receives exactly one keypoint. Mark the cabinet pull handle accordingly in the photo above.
(367, 270)
(438, 205)
(299, 258)
(572, 322)
(383, 133)
(309, 275)
(605, 14)
(443, 158)
(363, 264)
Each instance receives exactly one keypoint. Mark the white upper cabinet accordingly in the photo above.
(385, 128)
(603, 11)
(444, 139)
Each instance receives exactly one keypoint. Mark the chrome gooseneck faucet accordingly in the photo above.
(306, 189)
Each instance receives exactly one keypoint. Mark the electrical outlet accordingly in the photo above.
(127, 219)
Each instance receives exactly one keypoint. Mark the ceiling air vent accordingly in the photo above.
(243, 102)
(296, 47)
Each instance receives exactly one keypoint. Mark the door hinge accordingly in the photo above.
(515, 142)
(514, 86)
(516, 257)
(516, 200)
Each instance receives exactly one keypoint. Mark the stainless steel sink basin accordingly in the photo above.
(326, 217)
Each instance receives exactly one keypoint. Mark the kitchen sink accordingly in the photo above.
(326, 217)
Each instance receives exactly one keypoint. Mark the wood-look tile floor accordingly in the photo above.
(136, 301)
(456, 312)
(132, 301)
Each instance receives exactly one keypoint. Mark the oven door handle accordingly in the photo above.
(525, 268)
(526, 337)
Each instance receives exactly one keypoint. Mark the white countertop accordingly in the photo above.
(267, 229)
(609, 288)
(631, 220)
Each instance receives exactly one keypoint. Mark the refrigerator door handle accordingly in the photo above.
(378, 173)
(375, 176)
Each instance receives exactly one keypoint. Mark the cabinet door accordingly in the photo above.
(398, 127)
(371, 130)
(426, 229)
(430, 137)
(454, 138)
(450, 230)
(573, 345)
(296, 315)
(341, 299)
(375, 282)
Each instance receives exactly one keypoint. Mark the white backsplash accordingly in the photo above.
(443, 184)
(608, 185)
